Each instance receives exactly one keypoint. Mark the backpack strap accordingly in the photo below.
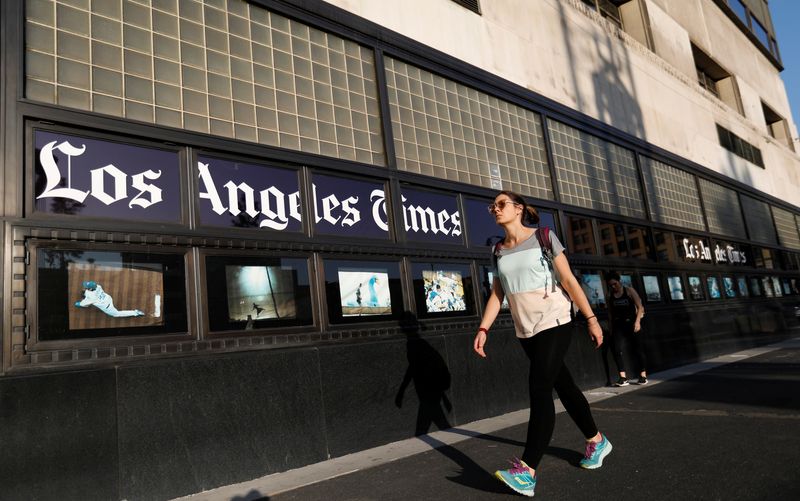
(546, 244)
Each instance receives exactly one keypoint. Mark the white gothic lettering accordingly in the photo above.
(696, 251)
(108, 184)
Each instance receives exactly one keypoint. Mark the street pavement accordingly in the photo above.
(717, 431)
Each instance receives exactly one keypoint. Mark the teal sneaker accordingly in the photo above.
(518, 477)
(595, 453)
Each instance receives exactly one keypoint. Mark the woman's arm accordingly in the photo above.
(489, 315)
(573, 288)
(637, 301)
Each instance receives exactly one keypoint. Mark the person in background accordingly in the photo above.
(542, 318)
(625, 312)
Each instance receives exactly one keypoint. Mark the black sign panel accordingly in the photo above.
(93, 178)
(242, 195)
(347, 207)
(431, 217)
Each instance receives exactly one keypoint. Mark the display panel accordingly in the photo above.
(675, 287)
(626, 280)
(776, 286)
(442, 289)
(787, 288)
(712, 283)
(97, 293)
(755, 287)
(652, 289)
(592, 285)
(246, 292)
(729, 286)
(486, 288)
(696, 291)
(741, 284)
(766, 284)
(363, 291)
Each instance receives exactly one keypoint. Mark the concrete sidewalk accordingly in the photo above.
(725, 428)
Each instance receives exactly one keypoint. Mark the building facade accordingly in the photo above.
(244, 236)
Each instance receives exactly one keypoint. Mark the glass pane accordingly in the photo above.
(652, 288)
(612, 239)
(363, 291)
(442, 289)
(580, 238)
(696, 289)
(592, 285)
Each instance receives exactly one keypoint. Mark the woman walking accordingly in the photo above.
(542, 319)
(626, 311)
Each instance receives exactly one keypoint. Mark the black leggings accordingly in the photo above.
(546, 351)
(620, 334)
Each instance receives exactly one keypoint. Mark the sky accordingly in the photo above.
(786, 19)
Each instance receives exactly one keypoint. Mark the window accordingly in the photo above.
(612, 239)
(580, 238)
(609, 9)
(473, 5)
(739, 146)
(715, 79)
(739, 9)
(442, 289)
(776, 126)
(665, 246)
(639, 243)
(363, 291)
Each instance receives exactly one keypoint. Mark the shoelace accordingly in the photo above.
(517, 468)
(590, 448)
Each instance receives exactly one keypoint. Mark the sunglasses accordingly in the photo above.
(500, 205)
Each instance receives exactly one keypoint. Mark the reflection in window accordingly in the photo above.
(639, 243)
(246, 293)
(95, 293)
(581, 236)
(612, 239)
(665, 246)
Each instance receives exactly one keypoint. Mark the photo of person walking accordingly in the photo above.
(540, 288)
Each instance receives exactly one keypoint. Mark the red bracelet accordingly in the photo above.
(483, 329)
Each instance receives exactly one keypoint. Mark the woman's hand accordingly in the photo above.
(637, 326)
(596, 332)
(480, 341)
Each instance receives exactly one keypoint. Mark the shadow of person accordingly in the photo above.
(431, 377)
(253, 495)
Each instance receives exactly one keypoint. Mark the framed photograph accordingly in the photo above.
(363, 291)
(696, 290)
(766, 284)
(248, 292)
(776, 286)
(787, 288)
(712, 283)
(794, 284)
(755, 287)
(592, 285)
(486, 288)
(729, 286)
(652, 289)
(94, 293)
(741, 283)
(442, 289)
(626, 280)
(675, 285)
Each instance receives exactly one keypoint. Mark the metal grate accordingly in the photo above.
(473, 5)
(759, 221)
(787, 228)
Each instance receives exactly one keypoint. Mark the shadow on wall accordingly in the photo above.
(428, 371)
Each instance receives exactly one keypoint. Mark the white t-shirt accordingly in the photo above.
(527, 282)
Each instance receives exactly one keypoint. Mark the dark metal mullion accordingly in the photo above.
(386, 115)
(551, 164)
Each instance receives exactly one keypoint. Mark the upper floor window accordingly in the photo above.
(473, 5)
(609, 9)
(739, 146)
(777, 126)
(715, 79)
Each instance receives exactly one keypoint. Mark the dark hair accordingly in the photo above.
(612, 275)
(529, 213)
